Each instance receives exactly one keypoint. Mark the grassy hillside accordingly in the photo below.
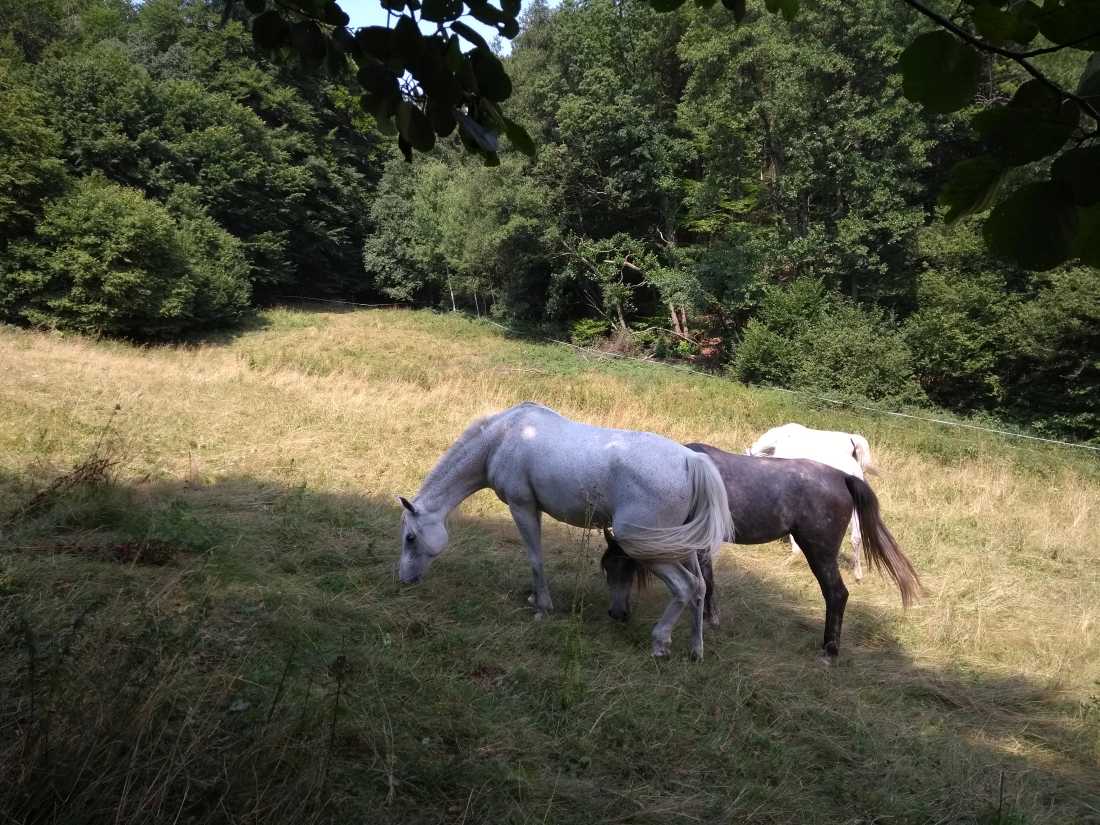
(201, 623)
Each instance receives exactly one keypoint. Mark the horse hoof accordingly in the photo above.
(697, 655)
(660, 650)
(539, 615)
(826, 660)
(531, 598)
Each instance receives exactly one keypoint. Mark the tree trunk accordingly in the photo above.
(676, 327)
(453, 307)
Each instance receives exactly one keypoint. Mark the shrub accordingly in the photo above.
(807, 338)
(958, 337)
(105, 260)
(589, 331)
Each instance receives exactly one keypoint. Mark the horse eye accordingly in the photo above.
(410, 538)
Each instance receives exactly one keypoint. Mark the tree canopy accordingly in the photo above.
(423, 86)
(754, 195)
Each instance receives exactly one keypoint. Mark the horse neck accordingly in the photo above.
(456, 476)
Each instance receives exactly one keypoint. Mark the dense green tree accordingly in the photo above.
(106, 260)
(30, 169)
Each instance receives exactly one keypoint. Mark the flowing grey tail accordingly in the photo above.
(708, 526)
(882, 549)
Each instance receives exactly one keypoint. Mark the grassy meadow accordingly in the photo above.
(201, 623)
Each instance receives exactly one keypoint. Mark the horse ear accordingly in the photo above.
(407, 504)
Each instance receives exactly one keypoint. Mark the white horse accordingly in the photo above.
(848, 452)
(662, 501)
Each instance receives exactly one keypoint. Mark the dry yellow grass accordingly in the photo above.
(272, 434)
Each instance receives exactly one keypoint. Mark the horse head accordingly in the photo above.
(423, 537)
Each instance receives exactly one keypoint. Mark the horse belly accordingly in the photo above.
(569, 499)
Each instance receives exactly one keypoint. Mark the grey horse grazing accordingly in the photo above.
(665, 504)
(771, 497)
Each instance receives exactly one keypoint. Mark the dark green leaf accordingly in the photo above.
(488, 114)
(441, 117)
(705, 4)
(1066, 21)
(255, 6)
(1027, 16)
(441, 11)
(666, 5)
(343, 40)
(270, 31)
(971, 186)
(1079, 171)
(1034, 226)
(385, 124)
(335, 16)
(509, 28)
(1088, 86)
(1034, 124)
(993, 24)
(308, 41)
(492, 81)
(397, 6)
(1019, 22)
(453, 56)
(491, 158)
(481, 137)
(1086, 245)
(511, 8)
(407, 40)
(415, 127)
(469, 34)
(940, 72)
(405, 148)
(384, 110)
(519, 137)
(789, 8)
(376, 41)
(737, 7)
(336, 63)
(379, 81)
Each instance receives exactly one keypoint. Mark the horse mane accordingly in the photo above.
(459, 448)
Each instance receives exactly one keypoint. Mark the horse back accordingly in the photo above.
(771, 497)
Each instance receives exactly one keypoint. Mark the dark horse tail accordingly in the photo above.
(882, 549)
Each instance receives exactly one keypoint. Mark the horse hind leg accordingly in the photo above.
(685, 588)
(822, 558)
(698, 581)
(857, 549)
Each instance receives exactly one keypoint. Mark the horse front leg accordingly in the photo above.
(528, 521)
(711, 612)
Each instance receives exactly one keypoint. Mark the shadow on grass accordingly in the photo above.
(272, 670)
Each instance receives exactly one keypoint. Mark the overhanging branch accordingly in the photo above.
(1015, 57)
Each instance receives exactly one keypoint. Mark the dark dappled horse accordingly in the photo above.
(770, 498)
